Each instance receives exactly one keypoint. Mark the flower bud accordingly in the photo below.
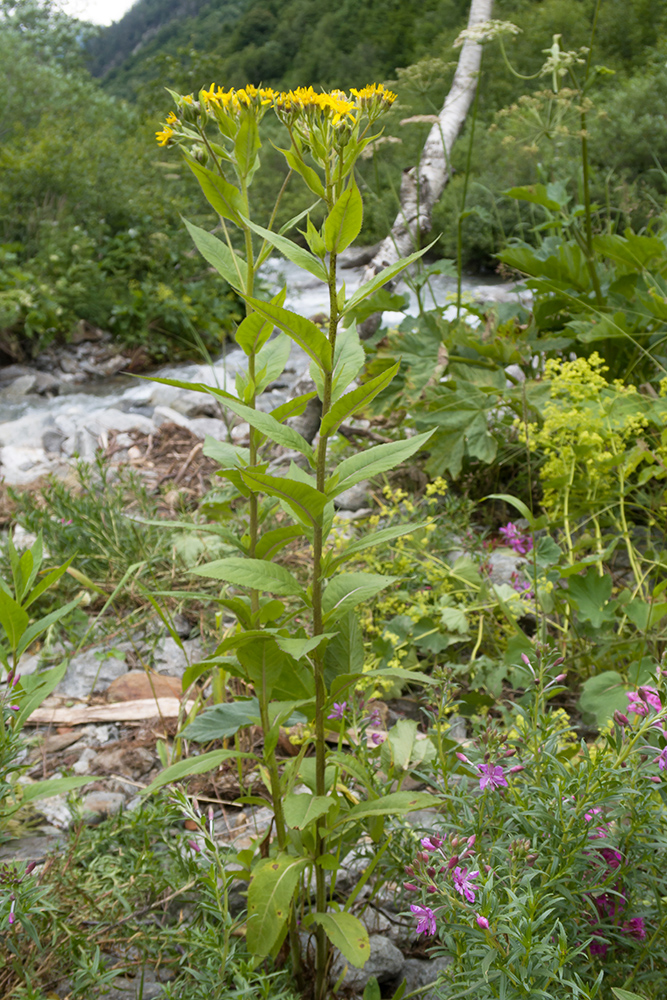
(453, 861)
(510, 753)
(487, 869)
(525, 659)
(409, 870)
(455, 841)
(531, 859)
(471, 840)
(482, 922)
(430, 872)
(410, 887)
(655, 779)
(194, 846)
(517, 768)
(560, 678)
(620, 719)
(30, 868)
(462, 756)
(431, 888)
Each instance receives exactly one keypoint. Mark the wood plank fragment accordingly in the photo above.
(124, 711)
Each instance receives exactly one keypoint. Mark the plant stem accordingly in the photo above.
(318, 628)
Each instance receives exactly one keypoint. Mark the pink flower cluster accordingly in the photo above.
(515, 539)
(431, 861)
(610, 906)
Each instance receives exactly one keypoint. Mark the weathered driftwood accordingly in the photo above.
(420, 190)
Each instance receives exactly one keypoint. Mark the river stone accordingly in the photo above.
(385, 962)
(19, 388)
(88, 673)
(103, 803)
(419, 972)
(170, 659)
(353, 499)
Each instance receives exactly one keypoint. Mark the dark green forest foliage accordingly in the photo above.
(90, 209)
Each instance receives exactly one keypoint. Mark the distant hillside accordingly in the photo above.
(278, 42)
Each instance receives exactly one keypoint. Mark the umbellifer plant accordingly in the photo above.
(312, 665)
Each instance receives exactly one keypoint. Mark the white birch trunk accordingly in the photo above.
(417, 200)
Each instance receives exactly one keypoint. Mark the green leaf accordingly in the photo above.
(394, 803)
(247, 146)
(41, 625)
(314, 240)
(47, 582)
(343, 223)
(347, 590)
(625, 994)
(302, 809)
(591, 596)
(232, 267)
(305, 501)
(267, 424)
(272, 887)
(53, 786)
(349, 359)
(193, 765)
(352, 402)
(371, 541)
(288, 249)
(536, 194)
(271, 542)
(229, 456)
(298, 648)
(383, 277)
(222, 196)
(309, 175)
(271, 361)
(372, 990)
(36, 689)
(346, 932)
(253, 332)
(516, 503)
(603, 695)
(345, 653)
(222, 721)
(293, 407)
(373, 461)
(406, 749)
(302, 331)
(257, 574)
(13, 619)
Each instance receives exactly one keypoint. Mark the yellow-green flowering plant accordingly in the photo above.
(297, 642)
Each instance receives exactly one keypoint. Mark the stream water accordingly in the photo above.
(40, 434)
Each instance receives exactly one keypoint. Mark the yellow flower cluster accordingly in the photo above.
(164, 135)
(233, 101)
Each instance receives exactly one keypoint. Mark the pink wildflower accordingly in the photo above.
(463, 883)
(338, 710)
(426, 919)
(661, 760)
(515, 539)
(492, 776)
(482, 922)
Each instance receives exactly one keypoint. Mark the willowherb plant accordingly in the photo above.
(297, 642)
(550, 880)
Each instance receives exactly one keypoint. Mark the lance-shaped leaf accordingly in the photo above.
(370, 541)
(293, 407)
(270, 895)
(222, 196)
(302, 809)
(343, 223)
(346, 932)
(42, 624)
(232, 267)
(299, 648)
(52, 786)
(349, 589)
(267, 424)
(231, 456)
(309, 175)
(271, 361)
(288, 249)
(258, 574)
(247, 145)
(254, 331)
(271, 542)
(352, 402)
(383, 277)
(306, 502)
(349, 359)
(387, 805)
(302, 331)
(13, 619)
(374, 461)
(193, 765)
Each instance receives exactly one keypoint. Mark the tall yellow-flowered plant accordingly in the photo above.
(219, 135)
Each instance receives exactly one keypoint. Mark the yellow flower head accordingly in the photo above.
(164, 136)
